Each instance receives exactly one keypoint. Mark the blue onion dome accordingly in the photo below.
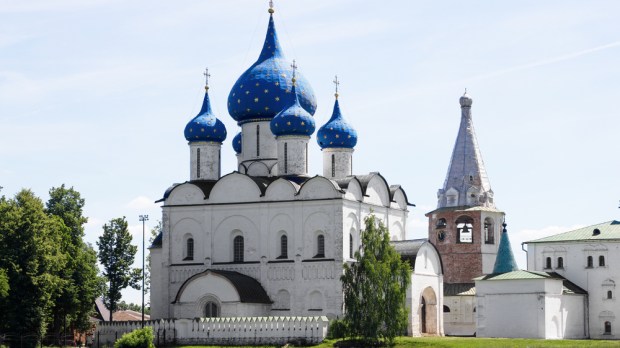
(205, 126)
(236, 143)
(337, 132)
(294, 120)
(265, 88)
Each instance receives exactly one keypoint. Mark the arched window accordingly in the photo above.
(212, 310)
(189, 249)
(489, 231)
(320, 246)
(350, 246)
(441, 223)
(446, 309)
(590, 262)
(333, 165)
(607, 328)
(285, 158)
(238, 249)
(601, 261)
(560, 262)
(283, 247)
(610, 295)
(465, 229)
(548, 263)
(198, 163)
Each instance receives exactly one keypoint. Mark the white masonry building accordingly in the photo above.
(269, 239)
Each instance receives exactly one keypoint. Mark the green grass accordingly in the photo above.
(467, 342)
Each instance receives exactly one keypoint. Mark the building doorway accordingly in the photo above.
(428, 312)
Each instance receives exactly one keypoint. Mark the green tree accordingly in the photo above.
(4, 284)
(117, 254)
(31, 255)
(375, 288)
(74, 304)
(155, 231)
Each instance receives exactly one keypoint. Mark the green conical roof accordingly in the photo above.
(505, 261)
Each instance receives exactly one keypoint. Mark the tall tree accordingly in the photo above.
(375, 288)
(4, 284)
(117, 254)
(30, 252)
(74, 304)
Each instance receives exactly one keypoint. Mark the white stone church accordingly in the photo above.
(270, 239)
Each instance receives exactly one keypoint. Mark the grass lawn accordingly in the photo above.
(467, 342)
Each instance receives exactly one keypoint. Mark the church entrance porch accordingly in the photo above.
(428, 312)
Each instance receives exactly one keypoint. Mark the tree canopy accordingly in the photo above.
(375, 288)
(117, 254)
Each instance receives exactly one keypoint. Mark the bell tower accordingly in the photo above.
(465, 227)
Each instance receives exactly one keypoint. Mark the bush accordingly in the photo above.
(337, 329)
(141, 338)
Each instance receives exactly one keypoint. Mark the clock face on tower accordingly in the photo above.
(441, 235)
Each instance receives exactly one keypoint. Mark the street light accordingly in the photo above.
(143, 218)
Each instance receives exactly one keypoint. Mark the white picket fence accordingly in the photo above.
(221, 331)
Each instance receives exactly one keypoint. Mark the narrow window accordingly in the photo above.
(212, 310)
(441, 223)
(489, 231)
(333, 166)
(257, 140)
(285, 158)
(548, 263)
(590, 262)
(238, 249)
(320, 246)
(283, 247)
(560, 262)
(198, 163)
(607, 328)
(219, 163)
(610, 295)
(601, 261)
(189, 249)
(350, 246)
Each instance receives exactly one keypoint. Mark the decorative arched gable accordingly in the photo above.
(281, 190)
(377, 191)
(234, 188)
(185, 194)
(319, 187)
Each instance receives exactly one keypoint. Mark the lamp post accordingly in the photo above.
(143, 218)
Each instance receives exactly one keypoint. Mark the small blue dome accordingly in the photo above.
(294, 120)
(336, 132)
(265, 88)
(236, 143)
(205, 126)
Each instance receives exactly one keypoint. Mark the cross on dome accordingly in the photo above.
(206, 75)
(294, 66)
(336, 83)
(271, 10)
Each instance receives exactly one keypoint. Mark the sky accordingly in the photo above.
(96, 94)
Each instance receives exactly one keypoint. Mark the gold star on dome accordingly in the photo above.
(277, 98)
(288, 123)
(202, 129)
(247, 92)
(214, 130)
(277, 83)
(256, 100)
(241, 86)
(288, 91)
(303, 123)
(283, 75)
(238, 101)
(276, 124)
(349, 137)
(257, 84)
(337, 136)
(266, 91)
(191, 130)
(233, 94)
(266, 108)
(325, 137)
(247, 110)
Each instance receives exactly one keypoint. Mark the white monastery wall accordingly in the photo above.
(426, 279)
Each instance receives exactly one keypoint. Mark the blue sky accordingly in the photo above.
(96, 94)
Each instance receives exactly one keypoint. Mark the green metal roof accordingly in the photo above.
(520, 274)
(607, 230)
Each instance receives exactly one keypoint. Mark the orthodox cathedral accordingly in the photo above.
(269, 239)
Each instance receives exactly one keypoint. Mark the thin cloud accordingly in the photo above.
(141, 203)
(545, 61)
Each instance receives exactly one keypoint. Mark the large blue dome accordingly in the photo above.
(336, 132)
(294, 120)
(265, 88)
(205, 126)
(236, 143)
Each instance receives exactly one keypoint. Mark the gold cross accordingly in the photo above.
(207, 75)
(294, 66)
(336, 83)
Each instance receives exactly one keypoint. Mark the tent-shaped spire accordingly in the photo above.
(467, 183)
(505, 261)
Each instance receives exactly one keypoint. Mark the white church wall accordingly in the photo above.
(156, 291)
(427, 274)
(489, 251)
(461, 318)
